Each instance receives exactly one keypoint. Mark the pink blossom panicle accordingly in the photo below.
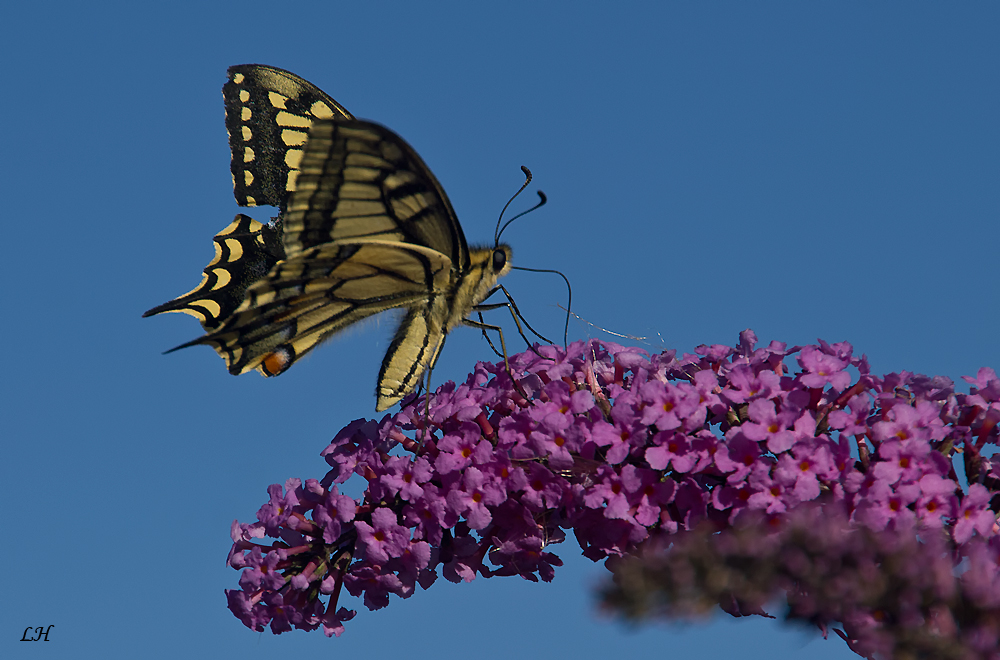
(626, 450)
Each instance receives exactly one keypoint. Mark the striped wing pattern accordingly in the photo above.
(268, 115)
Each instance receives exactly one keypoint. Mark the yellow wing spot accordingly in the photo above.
(211, 307)
(234, 356)
(277, 100)
(222, 278)
(217, 259)
(225, 232)
(245, 113)
(348, 270)
(248, 155)
(198, 314)
(369, 225)
(262, 298)
(204, 278)
(251, 201)
(238, 78)
(362, 289)
(288, 119)
(293, 176)
(316, 286)
(247, 178)
(400, 179)
(235, 249)
(292, 270)
(321, 110)
(362, 134)
(244, 95)
(302, 344)
(292, 158)
(247, 133)
(293, 138)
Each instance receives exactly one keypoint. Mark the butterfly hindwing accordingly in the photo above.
(417, 342)
(268, 115)
(321, 291)
(245, 251)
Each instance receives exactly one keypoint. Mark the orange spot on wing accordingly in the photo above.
(276, 362)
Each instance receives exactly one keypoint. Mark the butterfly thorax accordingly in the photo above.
(472, 287)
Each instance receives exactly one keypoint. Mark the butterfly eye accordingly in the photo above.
(499, 260)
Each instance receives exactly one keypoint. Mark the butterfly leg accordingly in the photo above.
(531, 347)
(427, 397)
(514, 312)
(503, 345)
(486, 326)
(487, 337)
(516, 315)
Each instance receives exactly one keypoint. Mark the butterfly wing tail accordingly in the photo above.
(244, 252)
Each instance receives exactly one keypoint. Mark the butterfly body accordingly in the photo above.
(365, 227)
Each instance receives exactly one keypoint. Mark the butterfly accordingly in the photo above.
(364, 227)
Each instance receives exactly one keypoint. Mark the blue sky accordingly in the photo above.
(806, 170)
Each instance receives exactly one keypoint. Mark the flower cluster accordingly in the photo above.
(625, 450)
(896, 594)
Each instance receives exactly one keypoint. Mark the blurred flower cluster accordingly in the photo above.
(728, 477)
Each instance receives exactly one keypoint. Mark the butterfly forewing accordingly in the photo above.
(359, 180)
(268, 115)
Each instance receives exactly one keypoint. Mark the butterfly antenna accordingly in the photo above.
(541, 202)
(527, 180)
(569, 296)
